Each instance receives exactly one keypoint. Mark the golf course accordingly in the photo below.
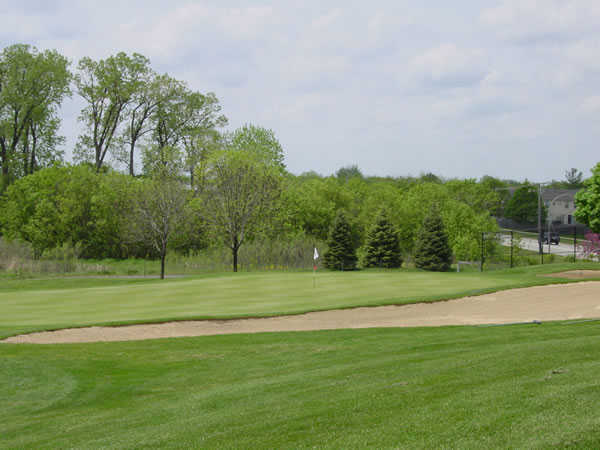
(521, 385)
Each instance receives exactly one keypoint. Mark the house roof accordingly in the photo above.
(549, 195)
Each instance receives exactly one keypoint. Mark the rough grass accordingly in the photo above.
(532, 386)
(52, 304)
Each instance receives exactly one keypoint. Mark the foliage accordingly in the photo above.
(240, 192)
(199, 146)
(430, 178)
(591, 245)
(432, 250)
(159, 210)
(588, 201)
(478, 196)
(33, 84)
(341, 253)
(345, 173)
(107, 86)
(523, 206)
(152, 92)
(70, 204)
(309, 205)
(260, 141)
(50, 207)
(573, 178)
(382, 248)
(166, 160)
(185, 114)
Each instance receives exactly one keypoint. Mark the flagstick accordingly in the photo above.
(315, 257)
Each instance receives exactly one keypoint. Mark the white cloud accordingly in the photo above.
(448, 65)
(591, 104)
(398, 87)
(532, 21)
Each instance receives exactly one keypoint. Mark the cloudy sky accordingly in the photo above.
(509, 88)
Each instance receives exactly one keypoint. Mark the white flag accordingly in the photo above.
(316, 255)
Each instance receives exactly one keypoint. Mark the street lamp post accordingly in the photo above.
(540, 232)
(539, 213)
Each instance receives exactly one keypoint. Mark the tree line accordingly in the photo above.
(199, 186)
(243, 194)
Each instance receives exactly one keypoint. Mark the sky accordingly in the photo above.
(508, 88)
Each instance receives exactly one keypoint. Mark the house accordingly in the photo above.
(560, 204)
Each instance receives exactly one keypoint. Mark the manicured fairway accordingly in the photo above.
(63, 303)
(458, 387)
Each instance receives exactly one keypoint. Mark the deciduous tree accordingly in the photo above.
(108, 86)
(588, 201)
(240, 191)
(159, 210)
(523, 205)
(185, 112)
(33, 84)
(260, 141)
(573, 178)
(154, 90)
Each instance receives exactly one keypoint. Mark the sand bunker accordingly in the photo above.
(542, 303)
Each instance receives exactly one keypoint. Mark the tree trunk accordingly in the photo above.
(131, 160)
(4, 162)
(4, 159)
(32, 161)
(162, 265)
(234, 250)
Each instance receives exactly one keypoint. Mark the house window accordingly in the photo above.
(570, 219)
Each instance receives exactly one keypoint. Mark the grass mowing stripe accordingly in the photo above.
(467, 387)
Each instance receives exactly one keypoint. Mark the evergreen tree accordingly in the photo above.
(432, 251)
(382, 247)
(340, 254)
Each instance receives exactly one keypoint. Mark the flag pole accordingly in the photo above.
(315, 257)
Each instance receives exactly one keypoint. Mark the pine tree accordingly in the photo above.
(340, 254)
(432, 251)
(382, 246)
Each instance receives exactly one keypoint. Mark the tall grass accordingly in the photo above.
(17, 260)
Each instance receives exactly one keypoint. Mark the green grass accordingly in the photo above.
(453, 387)
(51, 304)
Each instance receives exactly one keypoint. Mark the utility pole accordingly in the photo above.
(540, 244)
(574, 243)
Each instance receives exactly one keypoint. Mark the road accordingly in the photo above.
(532, 244)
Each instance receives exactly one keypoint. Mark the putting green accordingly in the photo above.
(238, 295)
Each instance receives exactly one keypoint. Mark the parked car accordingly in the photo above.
(554, 238)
